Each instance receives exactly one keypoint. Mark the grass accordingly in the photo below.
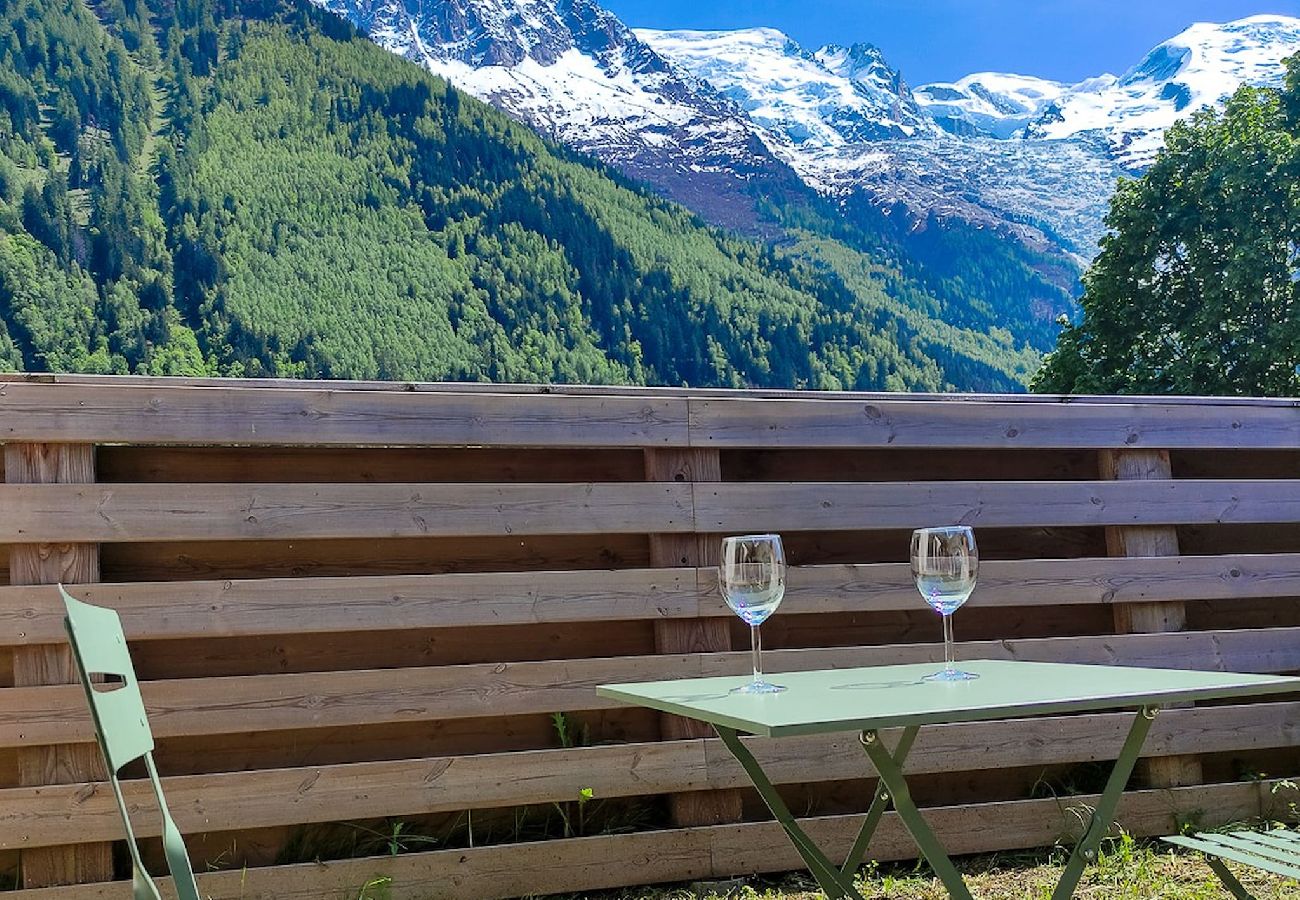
(1127, 869)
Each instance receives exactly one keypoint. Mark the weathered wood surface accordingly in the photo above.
(581, 864)
(164, 413)
(1148, 617)
(171, 411)
(482, 387)
(35, 817)
(284, 606)
(904, 505)
(52, 664)
(56, 715)
(698, 634)
(495, 549)
(973, 424)
(148, 512)
(144, 512)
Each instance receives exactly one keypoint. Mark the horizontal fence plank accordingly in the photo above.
(148, 512)
(282, 606)
(608, 861)
(213, 411)
(903, 423)
(857, 505)
(166, 413)
(42, 816)
(199, 706)
(1035, 582)
(515, 388)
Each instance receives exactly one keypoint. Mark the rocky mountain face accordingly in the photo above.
(828, 98)
(575, 73)
(720, 120)
(851, 127)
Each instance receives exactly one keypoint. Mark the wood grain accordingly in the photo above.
(234, 801)
(1130, 466)
(187, 706)
(234, 512)
(751, 507)
(245, 607)
(690, 635)
(292, 606)
(166, 413)
(902, 423)
(584, 864)
(52, 663)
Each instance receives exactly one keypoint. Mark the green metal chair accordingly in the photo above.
(1276, 851)
(99, 648)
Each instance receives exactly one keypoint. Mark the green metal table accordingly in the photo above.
(870, 699)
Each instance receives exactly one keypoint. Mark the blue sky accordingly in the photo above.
(939, 40)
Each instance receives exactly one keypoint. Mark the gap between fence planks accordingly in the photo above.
(34, 817)
(222, 705)
(318, 605)
(581, 864)
(240, 512)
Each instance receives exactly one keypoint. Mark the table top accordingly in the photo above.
(888, 696)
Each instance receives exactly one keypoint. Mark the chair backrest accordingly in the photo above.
(99, 647)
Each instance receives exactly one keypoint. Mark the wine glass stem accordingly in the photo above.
(756, 644)
(947, 642)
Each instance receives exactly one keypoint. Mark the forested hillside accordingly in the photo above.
(247, 188)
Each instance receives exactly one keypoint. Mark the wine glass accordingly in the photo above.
(944, 564)
(752, 578)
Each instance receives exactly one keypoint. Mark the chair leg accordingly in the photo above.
(178, 859)
(142, 886)
(1235, 887)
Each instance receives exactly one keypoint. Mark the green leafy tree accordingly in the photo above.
(1197, 288)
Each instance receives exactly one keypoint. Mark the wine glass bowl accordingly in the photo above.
(945, 563)
(751, 575)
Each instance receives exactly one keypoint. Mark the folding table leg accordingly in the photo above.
(1086, 850)
(879, 803)
(1235, 887)
(892, 776)
(829, 878)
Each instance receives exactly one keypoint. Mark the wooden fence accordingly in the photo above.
(370, 617)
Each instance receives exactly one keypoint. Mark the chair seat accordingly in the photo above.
(1276, 851)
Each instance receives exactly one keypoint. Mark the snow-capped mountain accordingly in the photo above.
(848, 124)
(717, 119)
(574, 72)
(993, 104)
(830, 98)
(1200, 67)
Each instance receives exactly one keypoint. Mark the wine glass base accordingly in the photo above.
(951, 675)
(759, 687)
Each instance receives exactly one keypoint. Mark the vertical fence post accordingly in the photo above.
(52, 663)
(710, 635)
(1155, 617)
